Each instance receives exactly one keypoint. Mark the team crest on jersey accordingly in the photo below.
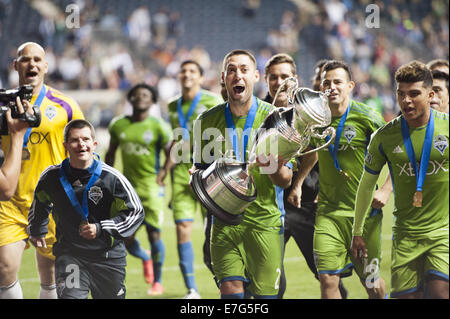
(147, 137)
(95, 194)
(349, 133)
(50, 112)
(440, 143)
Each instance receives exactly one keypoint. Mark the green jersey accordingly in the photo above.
(140, 144)
(336, 193)
(207, 100)
(387, 146)
(210, 130)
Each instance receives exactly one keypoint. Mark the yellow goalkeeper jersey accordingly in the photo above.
(45, 143)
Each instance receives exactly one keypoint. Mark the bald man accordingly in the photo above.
(41, 147)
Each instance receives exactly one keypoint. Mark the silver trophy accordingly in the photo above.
(227, 188)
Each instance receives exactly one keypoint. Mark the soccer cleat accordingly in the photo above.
(148, 270)
(192, 294)
(156, 289)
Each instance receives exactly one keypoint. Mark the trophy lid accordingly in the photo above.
(313, 105)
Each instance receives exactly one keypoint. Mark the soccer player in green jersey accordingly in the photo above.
(340, 167)
(248, 254)
(183, 109)
(438, 65)
(415, 147)
(440, 87)
(141, 137)
(299, 200)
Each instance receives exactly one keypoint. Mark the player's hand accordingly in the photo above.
(358, 248)
(17, 126)
(192, 169)
(88, 231)
(161, 177)
(380, 198)
(295, 197)
(38, 242)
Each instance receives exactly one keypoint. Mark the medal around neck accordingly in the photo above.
(25, 154)
(227, 188)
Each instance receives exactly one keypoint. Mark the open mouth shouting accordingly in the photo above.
(31, 76)
(238, 89)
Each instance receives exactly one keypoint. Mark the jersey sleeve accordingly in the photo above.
(38, 216)
(376, 120)
(77, 113)
(375, 157)
(114, 138)
(126, 211)
(166, 133)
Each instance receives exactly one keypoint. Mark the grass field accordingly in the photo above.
(301, 284)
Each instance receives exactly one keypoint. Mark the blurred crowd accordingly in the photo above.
(373, 37)
(104, 53)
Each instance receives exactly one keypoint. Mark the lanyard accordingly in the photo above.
(245, 134)
(426, 150)
(184, 120)
(95, 169)
(37, 103)
(333, 149)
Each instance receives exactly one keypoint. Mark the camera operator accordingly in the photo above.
(42, 147)
(10, 170)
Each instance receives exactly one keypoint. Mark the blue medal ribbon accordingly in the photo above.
(95, 169)
(245, 134)
(333, 149)
(183, 120)
(38, 103)
(426, 150)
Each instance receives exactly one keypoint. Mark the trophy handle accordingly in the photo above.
(290, 90)
(327, 132)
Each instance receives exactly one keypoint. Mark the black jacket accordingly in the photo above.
(113, 205)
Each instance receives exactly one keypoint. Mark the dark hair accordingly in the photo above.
(199, 67)
(437, 63)
(78, 123)
(237, 52)
(414, 71)
(335, 64)
(320, 63)
(439, 75)
(318, 73)
(143, 86)
(278, 59)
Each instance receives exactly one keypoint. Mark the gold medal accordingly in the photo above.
(417, 199)
(26, 155)
(83, 222)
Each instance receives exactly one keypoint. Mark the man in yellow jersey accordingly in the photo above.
(42, 147)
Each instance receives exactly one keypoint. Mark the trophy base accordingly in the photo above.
(209, 204)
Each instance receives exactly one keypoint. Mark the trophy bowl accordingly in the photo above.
(224, 189)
